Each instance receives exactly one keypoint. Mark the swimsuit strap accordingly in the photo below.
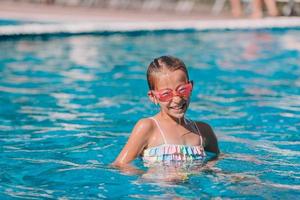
(201, 140)
(160, 130)
(199, 133)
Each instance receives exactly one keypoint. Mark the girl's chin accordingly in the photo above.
(177, 114)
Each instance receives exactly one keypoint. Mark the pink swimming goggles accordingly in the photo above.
(166, 95)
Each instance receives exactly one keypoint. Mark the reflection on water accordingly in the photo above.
(68, 104)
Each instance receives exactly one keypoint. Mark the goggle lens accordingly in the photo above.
(168, 94)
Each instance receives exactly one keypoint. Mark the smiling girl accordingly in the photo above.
(168, 136)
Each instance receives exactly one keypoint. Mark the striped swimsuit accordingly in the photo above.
(166, 153)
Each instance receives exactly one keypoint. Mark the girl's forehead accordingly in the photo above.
(169, 79)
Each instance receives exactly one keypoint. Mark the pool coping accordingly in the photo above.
(131, 26)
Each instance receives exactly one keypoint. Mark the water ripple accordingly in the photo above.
(19, 149)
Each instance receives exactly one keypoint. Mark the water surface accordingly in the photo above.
(68, 104)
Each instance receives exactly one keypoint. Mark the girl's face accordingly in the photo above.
(172, 91)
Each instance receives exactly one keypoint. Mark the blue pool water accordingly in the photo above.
(68, 104)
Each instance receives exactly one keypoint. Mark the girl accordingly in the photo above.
(168, 136)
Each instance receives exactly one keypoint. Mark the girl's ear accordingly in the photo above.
(192, 82)
(152, 97)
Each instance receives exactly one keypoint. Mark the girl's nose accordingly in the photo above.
(177, 98)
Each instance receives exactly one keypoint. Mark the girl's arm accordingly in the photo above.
(137, 141)
(210, 139)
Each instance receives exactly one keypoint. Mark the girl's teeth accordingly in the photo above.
(178, 108)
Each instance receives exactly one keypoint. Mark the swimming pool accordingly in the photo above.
(68, 104)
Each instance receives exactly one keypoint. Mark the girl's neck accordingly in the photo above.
(176, 121)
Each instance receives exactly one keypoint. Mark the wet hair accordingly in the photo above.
(164, 62)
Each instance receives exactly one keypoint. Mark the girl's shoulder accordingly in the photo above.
(144, 125)
(205, 130)
(142, 132)
(210, 139)
(204, 127)
(148, 122)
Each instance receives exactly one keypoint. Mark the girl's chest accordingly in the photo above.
(180, 136)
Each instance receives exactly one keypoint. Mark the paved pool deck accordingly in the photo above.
(43, 12)
(74, 20)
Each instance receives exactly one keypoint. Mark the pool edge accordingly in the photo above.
(32, 29)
